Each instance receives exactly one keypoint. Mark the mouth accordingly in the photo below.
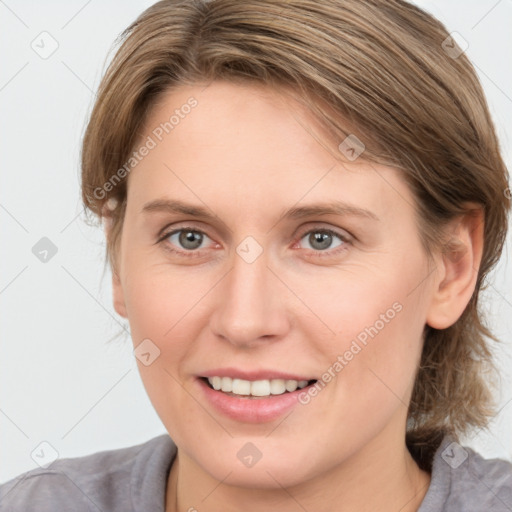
(257, 400)
(255, 389)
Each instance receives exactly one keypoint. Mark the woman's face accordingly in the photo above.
(262, 284)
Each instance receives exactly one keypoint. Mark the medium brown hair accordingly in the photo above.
(377, 69)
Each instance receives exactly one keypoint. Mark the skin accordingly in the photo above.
(248, 154)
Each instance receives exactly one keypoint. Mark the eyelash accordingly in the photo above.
(197, 252)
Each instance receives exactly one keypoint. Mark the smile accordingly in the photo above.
(252, 401)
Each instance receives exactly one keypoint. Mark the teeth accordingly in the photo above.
(241, 387)
(255, 387)
(227, 384)
(291, 385)
(216, 382)
(277, 386)
(260, 388)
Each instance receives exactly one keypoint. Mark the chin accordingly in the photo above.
(271, 471)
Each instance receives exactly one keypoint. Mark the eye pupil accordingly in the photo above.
(190, 239)
(324, 240)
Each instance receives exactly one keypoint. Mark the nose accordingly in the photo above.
(251, 304)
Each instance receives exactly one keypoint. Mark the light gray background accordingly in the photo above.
(60, 381)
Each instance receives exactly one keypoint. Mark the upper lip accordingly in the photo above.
(236, 373)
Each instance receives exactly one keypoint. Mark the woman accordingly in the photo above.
(301, 202)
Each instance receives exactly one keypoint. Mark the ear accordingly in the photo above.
(457, 269)
(118, 296)
(117, 288)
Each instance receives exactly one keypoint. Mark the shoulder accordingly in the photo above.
(462, 479)
(132, 478)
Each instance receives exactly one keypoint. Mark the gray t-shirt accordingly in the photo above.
(134, 479)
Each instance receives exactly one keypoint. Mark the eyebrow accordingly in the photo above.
(297, 212)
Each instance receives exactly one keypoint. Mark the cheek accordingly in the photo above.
(360, 305)
(169, 309)
(371, 327)
(164, 307)
(375, 383)
(158, 299)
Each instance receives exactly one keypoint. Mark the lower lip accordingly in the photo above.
(251, 410)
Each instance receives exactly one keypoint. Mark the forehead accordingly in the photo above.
(253, 148)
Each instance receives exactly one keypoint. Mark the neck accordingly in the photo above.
(382, 476)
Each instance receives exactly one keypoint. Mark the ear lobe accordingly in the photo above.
(117, 288)
(118, 296)
(460, 262)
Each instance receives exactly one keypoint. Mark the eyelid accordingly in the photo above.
(342, 233)
(177, 226)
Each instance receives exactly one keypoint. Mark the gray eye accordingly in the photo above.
(188, 239)
(320, 240)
